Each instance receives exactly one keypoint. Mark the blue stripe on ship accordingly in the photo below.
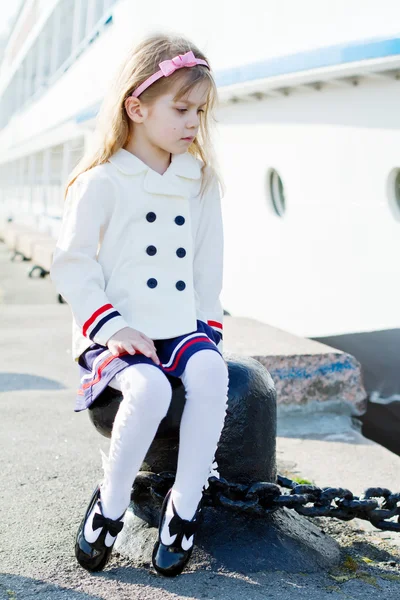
(320, 58)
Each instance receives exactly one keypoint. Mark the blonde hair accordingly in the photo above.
(113, 127)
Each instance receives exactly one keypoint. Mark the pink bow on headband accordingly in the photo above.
(167, 67)
(182, 60)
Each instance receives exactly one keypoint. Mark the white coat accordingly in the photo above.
(140, 249)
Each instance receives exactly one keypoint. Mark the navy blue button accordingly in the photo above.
(179, 220)
(180, 285)
(152, 283)
(151, 250)
(151, 217)
(181, 252)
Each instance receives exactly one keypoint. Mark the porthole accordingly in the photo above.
(394, 192)
(276, 192)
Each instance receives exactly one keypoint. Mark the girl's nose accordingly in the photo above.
(193, 121)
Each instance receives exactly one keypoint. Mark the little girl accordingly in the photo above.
(139, 261)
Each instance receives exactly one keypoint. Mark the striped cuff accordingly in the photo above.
(218, 327)
(102, 325)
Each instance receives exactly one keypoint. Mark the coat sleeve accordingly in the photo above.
(208, 260)
(75, 271)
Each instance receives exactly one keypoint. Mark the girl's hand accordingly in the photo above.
(131, 340)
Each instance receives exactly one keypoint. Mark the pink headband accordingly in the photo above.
(167, 67)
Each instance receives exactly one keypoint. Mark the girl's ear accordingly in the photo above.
(134, 109)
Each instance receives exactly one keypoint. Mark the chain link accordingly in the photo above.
(261, 498)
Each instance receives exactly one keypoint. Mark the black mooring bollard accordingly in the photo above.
(246, 453)
(249, 433)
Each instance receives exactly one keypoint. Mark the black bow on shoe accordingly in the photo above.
(178, 525)
(170, 559)
(113, 526)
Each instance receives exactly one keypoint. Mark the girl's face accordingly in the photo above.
(172, 126)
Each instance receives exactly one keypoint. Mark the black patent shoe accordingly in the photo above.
(171, 560)
(94, 556)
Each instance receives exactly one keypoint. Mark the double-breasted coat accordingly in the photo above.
(140, 249)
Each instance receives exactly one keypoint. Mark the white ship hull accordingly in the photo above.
(330, 265)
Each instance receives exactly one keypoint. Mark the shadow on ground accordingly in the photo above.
(10, 382)
(13, 587)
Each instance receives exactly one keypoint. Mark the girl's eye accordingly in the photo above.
(182, 110)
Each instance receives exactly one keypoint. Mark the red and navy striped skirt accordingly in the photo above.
(97, 366)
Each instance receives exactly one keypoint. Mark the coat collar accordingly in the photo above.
(174, 181)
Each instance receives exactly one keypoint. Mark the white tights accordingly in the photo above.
(147, 395)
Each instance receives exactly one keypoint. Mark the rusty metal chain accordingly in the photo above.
(261, 498)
